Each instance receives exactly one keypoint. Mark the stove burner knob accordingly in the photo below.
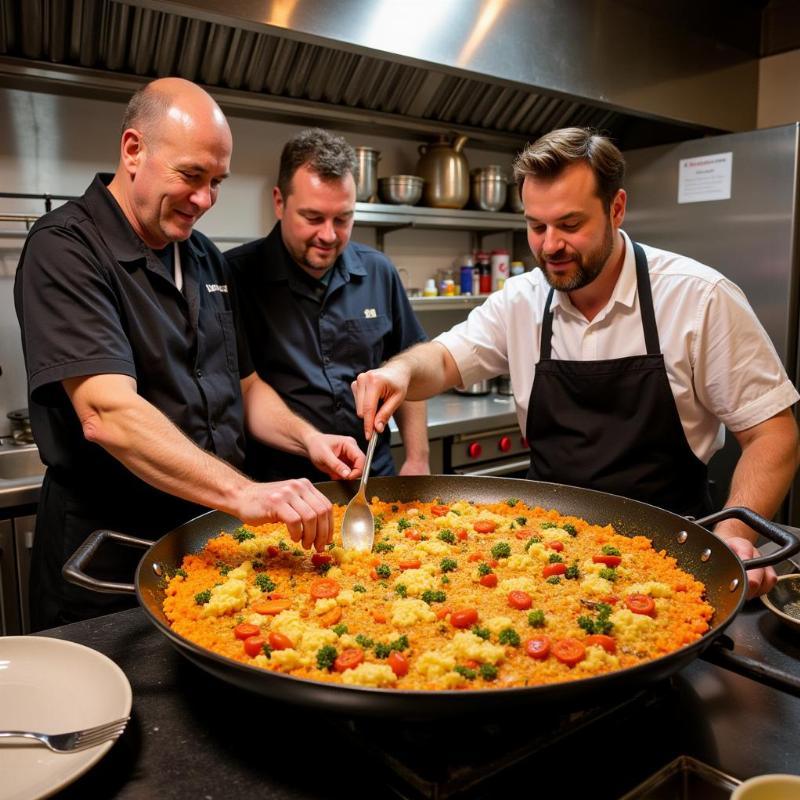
(474, 449)
(524, 442)
(504, 444)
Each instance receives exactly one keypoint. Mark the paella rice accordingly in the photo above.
(453, 596)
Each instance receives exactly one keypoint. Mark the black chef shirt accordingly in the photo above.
(309, 339)
(91, 299)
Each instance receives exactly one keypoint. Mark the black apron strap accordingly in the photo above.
(646, 302)
(547, 328)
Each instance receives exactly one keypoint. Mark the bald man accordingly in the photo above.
(139, 383)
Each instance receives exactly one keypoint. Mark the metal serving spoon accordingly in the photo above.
(358, 524)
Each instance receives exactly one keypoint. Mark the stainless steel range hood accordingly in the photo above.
(503, 71)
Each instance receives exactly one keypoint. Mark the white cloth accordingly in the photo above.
(722, 367)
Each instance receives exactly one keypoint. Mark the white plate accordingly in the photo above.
(53, 686)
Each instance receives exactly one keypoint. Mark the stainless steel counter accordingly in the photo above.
(448, 414)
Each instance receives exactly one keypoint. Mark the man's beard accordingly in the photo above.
(586, 268)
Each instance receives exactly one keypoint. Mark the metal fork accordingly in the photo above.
(74, 740)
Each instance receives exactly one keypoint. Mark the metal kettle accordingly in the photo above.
(445, 170)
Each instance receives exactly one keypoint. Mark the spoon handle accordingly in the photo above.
(368, 462)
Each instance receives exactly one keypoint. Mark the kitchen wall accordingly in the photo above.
(779, 89)
(55, 144)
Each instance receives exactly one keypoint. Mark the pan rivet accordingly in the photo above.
(682, 537)
(705, 555)
(158, 569)
(734, 584)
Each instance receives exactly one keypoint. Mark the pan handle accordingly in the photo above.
(74, 570)
(789, 543)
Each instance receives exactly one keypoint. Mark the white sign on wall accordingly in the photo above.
(704, 178)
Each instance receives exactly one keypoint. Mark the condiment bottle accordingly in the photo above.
(430, 288)
(500, 268)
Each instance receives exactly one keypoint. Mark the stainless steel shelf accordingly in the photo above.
(446, 303)
(380, 215)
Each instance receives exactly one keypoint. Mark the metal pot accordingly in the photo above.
(367, 180)
(514, 198)
(21, 431)
(401, 189)
(503, 383)
(695, 549)
(445, 171)
(489, 188)
(477, 388)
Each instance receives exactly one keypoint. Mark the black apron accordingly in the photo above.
(612, 425)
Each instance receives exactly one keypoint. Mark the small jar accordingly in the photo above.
(430, 288)
(500, 268)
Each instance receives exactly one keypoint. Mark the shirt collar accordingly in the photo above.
(280, 268)
(123, 241)
(624, 292)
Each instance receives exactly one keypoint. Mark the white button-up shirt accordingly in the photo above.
(722, 367)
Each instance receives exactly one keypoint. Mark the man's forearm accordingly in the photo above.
(412, 422)
(764, 472)
(431, 370)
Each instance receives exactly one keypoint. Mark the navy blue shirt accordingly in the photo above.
(309, 340)
(92, 299)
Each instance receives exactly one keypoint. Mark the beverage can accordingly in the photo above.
(466, 279)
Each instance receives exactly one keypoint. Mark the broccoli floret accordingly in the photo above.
(357, 587)
(509, 636)
(521, 520)
(608, 550)
(533, 540)
(488, 671)
(608, 573)
(323, 568)
(364, 641)
(283, 546)
(402, 524)
(429, 596)
(447, 536)
(240, 534)
(512, 501)
(448, 564)
(445, 579)
(339, 629)
(223, 568)
(466, 672)
(484, 569)
(266, 650)
(379, 523)
(572, 572)
(182, 572)
(482, 633)
(501, 550)
(383, 570)
(545, 525)
(265, 583)
(384, 547)
(570, 529)
(601, 624)
(401, 589)
(586, 622)
(201, 598)
(297, 552)
(555, 558)
(326, 655)
(400, 644)
(382, 650)
(536, 618)
(554, 579)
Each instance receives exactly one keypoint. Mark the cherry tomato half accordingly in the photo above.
(484, 526)
(413, 534)
(609, 561)
(245, 631)
(538, 647)
(641, 604)
(557, 546)
(489, 581)
(317, 559)
(254, 645)
(601, 640)
(410, 563)
(440, 511)
(569, 651)
(554, 569)
(279, 641)
(464, 617)
(399, 663)
(348, 659)
(520, 600)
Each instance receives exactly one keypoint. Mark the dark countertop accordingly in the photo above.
(193, 736)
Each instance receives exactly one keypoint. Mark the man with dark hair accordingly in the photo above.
(139, 382)
(318, 308)
(627, 362)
